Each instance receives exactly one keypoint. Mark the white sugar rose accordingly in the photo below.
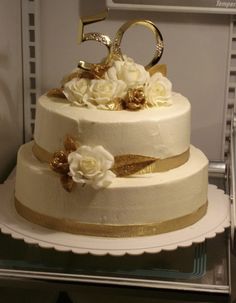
(75, 91)
(102, 92)
(158, 90)
(131, 73)
(91, 166)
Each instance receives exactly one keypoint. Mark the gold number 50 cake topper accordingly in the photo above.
(114, 49)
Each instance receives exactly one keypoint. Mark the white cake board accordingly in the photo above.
(214, 222)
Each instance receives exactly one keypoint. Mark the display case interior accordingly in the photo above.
(201, 62)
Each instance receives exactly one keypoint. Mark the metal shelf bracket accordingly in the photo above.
(232, 185)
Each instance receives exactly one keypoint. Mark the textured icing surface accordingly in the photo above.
(143, 199)
(159, 132)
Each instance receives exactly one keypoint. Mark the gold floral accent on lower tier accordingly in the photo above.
(59, 163)
(96, 167)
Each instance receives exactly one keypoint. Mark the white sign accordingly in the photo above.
(197, 6)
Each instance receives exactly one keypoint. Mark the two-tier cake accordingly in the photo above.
(111, 156)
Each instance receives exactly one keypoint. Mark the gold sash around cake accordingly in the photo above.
(142, 167)
(109, 230)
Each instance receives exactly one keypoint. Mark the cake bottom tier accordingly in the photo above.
(135, 206)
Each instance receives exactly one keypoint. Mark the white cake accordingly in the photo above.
(104, 166)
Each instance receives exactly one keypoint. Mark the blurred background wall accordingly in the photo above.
(11, 106)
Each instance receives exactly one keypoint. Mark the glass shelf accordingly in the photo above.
(197, 268)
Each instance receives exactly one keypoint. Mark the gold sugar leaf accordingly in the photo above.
(70, 144)
(88, 75)
(56, 92)
(97, 72)
(161, 68)
(100, 69)
(116, 104)
(67, 182)
(126, 165)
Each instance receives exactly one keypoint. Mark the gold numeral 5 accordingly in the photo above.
(105, 40)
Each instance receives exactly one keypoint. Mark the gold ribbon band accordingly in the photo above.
(108, 230)
(160, 165)
(41, 154)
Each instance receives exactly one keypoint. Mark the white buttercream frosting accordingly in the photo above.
(157, 132)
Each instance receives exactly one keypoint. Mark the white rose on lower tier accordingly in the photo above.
(101, 91)
(75, 90)
(91, 165)
(158, 90)
(131, 73)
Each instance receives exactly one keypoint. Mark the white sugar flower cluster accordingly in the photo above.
(122, 76)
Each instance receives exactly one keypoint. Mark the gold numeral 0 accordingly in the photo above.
(115, 50)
